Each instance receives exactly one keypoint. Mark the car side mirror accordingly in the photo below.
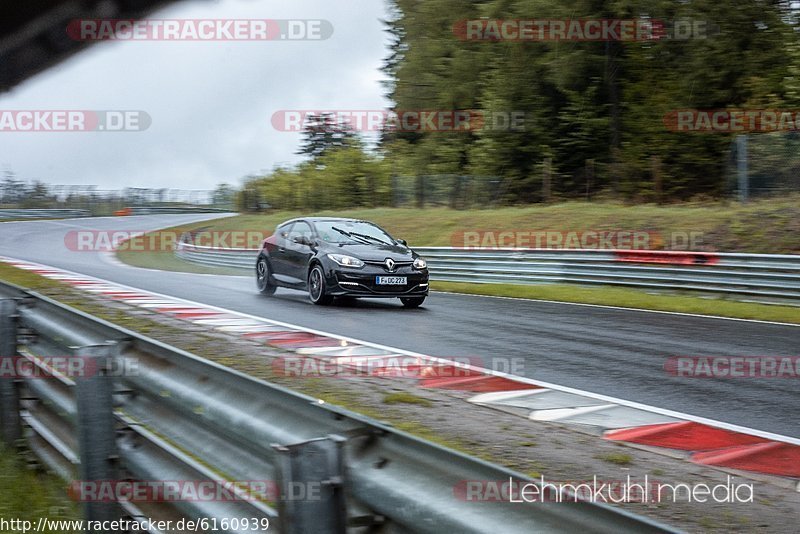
(402, 242)
(302, 240)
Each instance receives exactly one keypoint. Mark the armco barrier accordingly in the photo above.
(735, 274)
(42, 213)
(156, 210)
(177, 417)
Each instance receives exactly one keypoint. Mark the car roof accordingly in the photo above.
(318, 219)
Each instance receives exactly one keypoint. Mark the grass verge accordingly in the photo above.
(765, 226)
(629, 298)
(28, 494)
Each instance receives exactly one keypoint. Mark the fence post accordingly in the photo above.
(741, 167)
(658, 183)
(10, 422)
(310, 479)
(547, 165)
(96, 426)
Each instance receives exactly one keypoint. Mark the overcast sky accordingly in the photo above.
(210, 102)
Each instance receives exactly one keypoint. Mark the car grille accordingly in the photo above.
(398, 264)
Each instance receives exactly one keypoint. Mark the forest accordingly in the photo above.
(598, 112)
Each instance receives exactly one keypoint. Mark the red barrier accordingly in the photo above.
(320, 342)
(670, 257)
(299, 339)
(685, 436)
(189, 313)
(477, 384)
(196, 315)
(265, 334)
(773, 458)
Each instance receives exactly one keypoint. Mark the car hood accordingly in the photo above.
(374, 252)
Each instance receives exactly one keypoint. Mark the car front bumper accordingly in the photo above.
(362, 282)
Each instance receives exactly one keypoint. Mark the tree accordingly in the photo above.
(37, 196)
(322, 133)
(595, 109)
(11, 189)
(223, 195)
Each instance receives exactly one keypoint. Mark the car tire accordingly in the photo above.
(412, 302)
(265, 286)
(316, 286)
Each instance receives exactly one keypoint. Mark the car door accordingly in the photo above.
(277, 252)
(298, 251)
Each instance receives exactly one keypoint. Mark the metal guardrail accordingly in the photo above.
(42, 213)
(154, 210)
(734, 274)
(182, 418)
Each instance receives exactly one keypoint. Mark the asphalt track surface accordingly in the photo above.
(615, 352)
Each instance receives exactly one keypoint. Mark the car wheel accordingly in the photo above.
(412, 302)
(265, 287)
(316, 286)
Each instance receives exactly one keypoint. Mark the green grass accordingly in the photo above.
(27, 494)
(402, 397)
(629, 298)
(616, 458)
(167, 261)
(766, 226)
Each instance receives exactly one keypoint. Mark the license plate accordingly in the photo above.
(391, 280)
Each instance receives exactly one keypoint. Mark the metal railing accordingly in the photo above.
(42, 213)
(141, 410)
(156, 210)
(733, 274)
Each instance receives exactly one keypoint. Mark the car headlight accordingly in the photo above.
(419, 263)
(346, 261)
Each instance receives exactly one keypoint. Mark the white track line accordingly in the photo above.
(684, 314)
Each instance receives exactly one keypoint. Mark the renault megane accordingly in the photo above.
(334, 257)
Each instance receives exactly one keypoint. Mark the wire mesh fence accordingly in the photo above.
(763, 165)
(446, 190)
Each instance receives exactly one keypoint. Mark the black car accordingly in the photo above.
(334, 257)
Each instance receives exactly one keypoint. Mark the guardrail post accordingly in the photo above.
(10, 422)
(311, 484)
(96, 426)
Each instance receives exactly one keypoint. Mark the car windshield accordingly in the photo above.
(349, 232)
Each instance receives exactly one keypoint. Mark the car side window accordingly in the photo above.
(300, 229)
(283, 231)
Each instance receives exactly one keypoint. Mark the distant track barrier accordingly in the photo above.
(732, 274)
(156, 210)
(42, 213)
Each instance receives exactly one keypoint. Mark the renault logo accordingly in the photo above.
(389, 264)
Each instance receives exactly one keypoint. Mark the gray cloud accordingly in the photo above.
(210, 102)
